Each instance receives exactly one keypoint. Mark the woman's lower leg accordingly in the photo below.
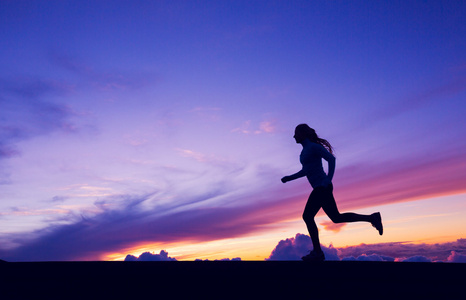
(350, 217)
(314, 233)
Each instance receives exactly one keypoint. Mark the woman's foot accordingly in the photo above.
(314, 256)
(377, 222)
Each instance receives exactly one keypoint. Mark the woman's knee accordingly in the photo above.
(336, 218)
(305, 216)
(308, 218)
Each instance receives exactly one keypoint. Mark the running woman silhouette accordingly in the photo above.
(314, 149)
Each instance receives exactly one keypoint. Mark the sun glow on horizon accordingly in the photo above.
(422, 223)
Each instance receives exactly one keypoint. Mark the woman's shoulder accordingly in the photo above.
(311, 149)
(317, 149)
(314, 147)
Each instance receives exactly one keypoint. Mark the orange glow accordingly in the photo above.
(415, 222)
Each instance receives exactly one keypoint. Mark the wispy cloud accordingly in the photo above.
(106, 80)
(263, 127)
(207, 113)
(27, 111)
(267, 127)
(192, 154)
(22, 211)
(204, 158)
(335, 227)
(28, 87)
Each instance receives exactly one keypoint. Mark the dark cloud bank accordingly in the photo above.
(88, 237)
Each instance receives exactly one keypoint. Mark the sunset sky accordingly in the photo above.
(140, 126)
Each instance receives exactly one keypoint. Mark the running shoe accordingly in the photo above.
(377, 222)
(314, 256)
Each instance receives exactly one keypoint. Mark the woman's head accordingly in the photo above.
(303, 131)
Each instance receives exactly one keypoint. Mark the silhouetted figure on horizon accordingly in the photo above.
(314, 149)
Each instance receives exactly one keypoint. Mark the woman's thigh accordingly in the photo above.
(328, 203)
(314, 203)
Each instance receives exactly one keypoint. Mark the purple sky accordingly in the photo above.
(170, 123)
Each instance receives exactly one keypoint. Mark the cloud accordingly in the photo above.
(335, 227)
(195, 155)
(28, 87)
(211, 160)
(404, 180)
(27, 111)
(263, 127)
(30, 106)
(405, 251)
(88, 76)
(21, 211)
(296, 247)
(267, 127)
(429, 171)
(147, 256)
(223, 259)
(59, 199)
(416, 258)
(137, 219)
(7, 151)
(244, 128)
(456, 257)
(371, 257)
(211, 114)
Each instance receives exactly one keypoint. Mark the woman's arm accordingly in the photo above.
(331, 166)
(297, 175)
(330, 160)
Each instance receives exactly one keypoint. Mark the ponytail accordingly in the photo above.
(326, 144)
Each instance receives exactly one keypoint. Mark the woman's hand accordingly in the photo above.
(285, 179)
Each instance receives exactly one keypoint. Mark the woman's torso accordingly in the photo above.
(311, 159)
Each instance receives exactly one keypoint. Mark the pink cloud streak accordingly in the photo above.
(402, 182)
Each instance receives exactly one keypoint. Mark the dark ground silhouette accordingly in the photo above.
(231, 280)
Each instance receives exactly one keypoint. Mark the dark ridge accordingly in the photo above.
(231, 280)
